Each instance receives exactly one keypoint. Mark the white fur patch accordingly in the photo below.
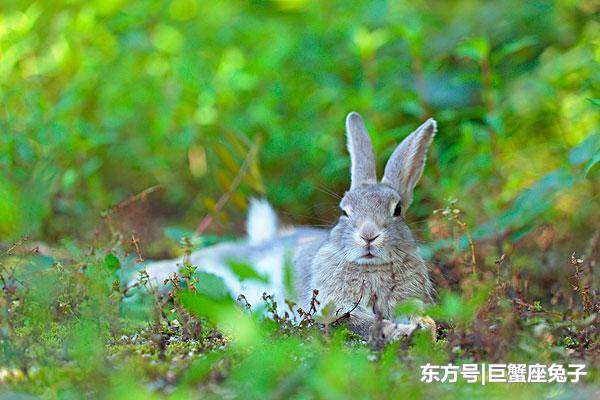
(261, 224)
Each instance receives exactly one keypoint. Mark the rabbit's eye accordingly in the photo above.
(398, 210)
(344, 213)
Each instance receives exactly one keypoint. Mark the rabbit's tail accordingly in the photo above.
(261, 224)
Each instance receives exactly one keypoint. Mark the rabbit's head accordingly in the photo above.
(371, 228)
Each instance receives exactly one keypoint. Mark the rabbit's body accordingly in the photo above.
(369, 261)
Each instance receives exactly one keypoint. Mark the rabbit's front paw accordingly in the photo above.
(427, 323)
(393, 331)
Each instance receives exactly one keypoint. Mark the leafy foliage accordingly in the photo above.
(102, 101)
(194, 106)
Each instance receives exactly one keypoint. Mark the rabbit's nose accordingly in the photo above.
(369, 238)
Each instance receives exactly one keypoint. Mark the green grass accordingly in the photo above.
(148, 120)
(70, 331)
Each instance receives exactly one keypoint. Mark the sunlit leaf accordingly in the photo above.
(476, 49)
(410, 307)
(112, 262)
(595, 102)
(584, 151)
(511, 48)
(167, 38)
(593, 161)
(212, 286)
(244, 271)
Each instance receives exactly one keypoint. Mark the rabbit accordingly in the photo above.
(366, 286)
(369, 262)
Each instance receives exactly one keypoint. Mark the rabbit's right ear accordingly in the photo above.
(361, 152)
(405, 166)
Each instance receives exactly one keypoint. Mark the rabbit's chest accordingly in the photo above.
(377, 288)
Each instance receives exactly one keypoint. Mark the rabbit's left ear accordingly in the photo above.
(405, 166)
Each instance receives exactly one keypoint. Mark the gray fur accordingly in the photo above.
(405, 166)
(335, 264)
(361, 152)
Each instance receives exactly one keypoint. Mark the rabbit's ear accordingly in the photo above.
(361, 151)
(405, 166)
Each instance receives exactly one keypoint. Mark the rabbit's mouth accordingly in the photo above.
(370, 252)
(369, 257)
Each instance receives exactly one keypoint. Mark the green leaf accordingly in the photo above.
(584, 150)
(593, 161)
(245, 272)
(112, 262)
(595, 102)
(527, 206)
(288, 277)
(476, 49)
(167, 39)
(367, 42)
(211, 286)
(328, 310)
(460, 310)
(452, 305)
(511, 48)
(410, 307)
(327, 315)
(226, 315)
(203, 306)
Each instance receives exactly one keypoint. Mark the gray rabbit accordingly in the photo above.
(365, 265)
(369, 261)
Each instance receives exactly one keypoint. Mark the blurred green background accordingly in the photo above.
(104, 99)
(185, 101)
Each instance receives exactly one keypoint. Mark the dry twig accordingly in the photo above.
(207, 220)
